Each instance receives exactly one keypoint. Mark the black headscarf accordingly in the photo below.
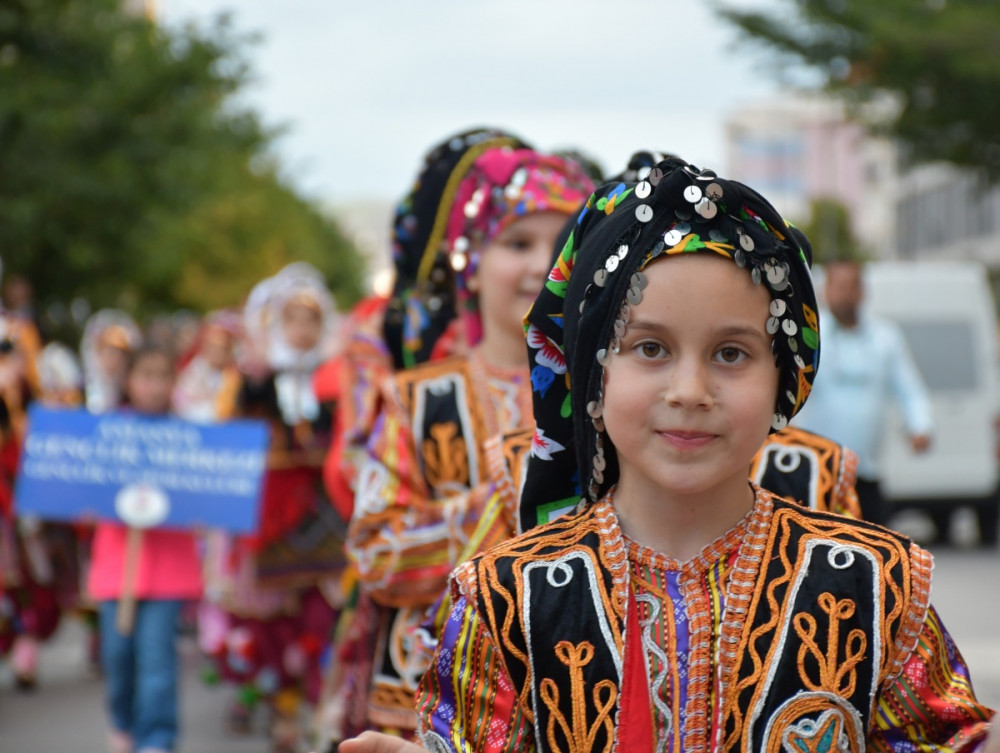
(672, 208)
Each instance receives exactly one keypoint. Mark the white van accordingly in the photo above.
(948, 316)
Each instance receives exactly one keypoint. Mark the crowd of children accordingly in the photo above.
(538, 498)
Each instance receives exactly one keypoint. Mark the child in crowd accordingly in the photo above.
(29, 612)
(678, 606)
(431, 470)
(108, 338)
(141, 664)
(279, 587)
(208, 382)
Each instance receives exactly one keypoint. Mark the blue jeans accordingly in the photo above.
(140, 671)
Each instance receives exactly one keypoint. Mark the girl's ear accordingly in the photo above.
(472, 284)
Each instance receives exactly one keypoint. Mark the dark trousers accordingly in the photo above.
(873, 504)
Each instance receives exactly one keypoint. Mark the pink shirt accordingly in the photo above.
(168, 564)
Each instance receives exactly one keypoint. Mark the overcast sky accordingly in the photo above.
(364, 88)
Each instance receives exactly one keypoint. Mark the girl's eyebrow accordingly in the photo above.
(725, 330)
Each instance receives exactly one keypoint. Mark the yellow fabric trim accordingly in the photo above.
(444, 206)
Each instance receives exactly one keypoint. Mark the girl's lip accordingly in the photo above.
(686, 439)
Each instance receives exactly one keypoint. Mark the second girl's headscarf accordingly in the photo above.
(503, 186)
(422, 303)
(578, 318)
(470, 190)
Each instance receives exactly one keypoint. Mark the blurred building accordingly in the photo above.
(801, 148)
(946, 213)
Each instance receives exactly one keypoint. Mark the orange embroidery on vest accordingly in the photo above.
(581, 736)
(445, 457)
(836, 674)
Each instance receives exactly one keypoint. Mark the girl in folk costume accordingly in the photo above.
(60, 377)
(52, 552)
(207, 389)
(275, 586)
(208, 382)
(678, 606)
(108, 338)
(416, 323)
(432, 470)
(29, 610)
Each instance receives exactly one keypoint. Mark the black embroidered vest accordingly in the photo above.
(821, 612)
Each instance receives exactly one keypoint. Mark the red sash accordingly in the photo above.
(635, 717)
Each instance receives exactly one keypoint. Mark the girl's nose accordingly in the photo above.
(688, 385)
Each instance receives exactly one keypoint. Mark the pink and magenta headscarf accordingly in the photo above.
(471, 187)
(503, 186)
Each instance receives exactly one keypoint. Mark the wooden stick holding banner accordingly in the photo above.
(125, 613)
(140, 506)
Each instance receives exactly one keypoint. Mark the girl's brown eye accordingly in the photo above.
(650, 350)
(730, 355)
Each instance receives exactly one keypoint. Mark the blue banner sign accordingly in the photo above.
(142, 471)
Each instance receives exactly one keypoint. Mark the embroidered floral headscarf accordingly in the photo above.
(423, 297)
(578, 318)
(505, 185)
(471, 188)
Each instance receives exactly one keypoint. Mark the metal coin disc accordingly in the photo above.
(706, 209)
(692, 194)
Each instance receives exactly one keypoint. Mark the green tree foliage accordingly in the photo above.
(937, 58)
(128, 176)
(829, 231)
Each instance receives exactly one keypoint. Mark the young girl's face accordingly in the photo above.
(302, 326)
(217, 351)
(113, 362)
(512, 270)
(150, 384)
(689, 398)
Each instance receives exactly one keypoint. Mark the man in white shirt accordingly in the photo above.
(866, 363)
